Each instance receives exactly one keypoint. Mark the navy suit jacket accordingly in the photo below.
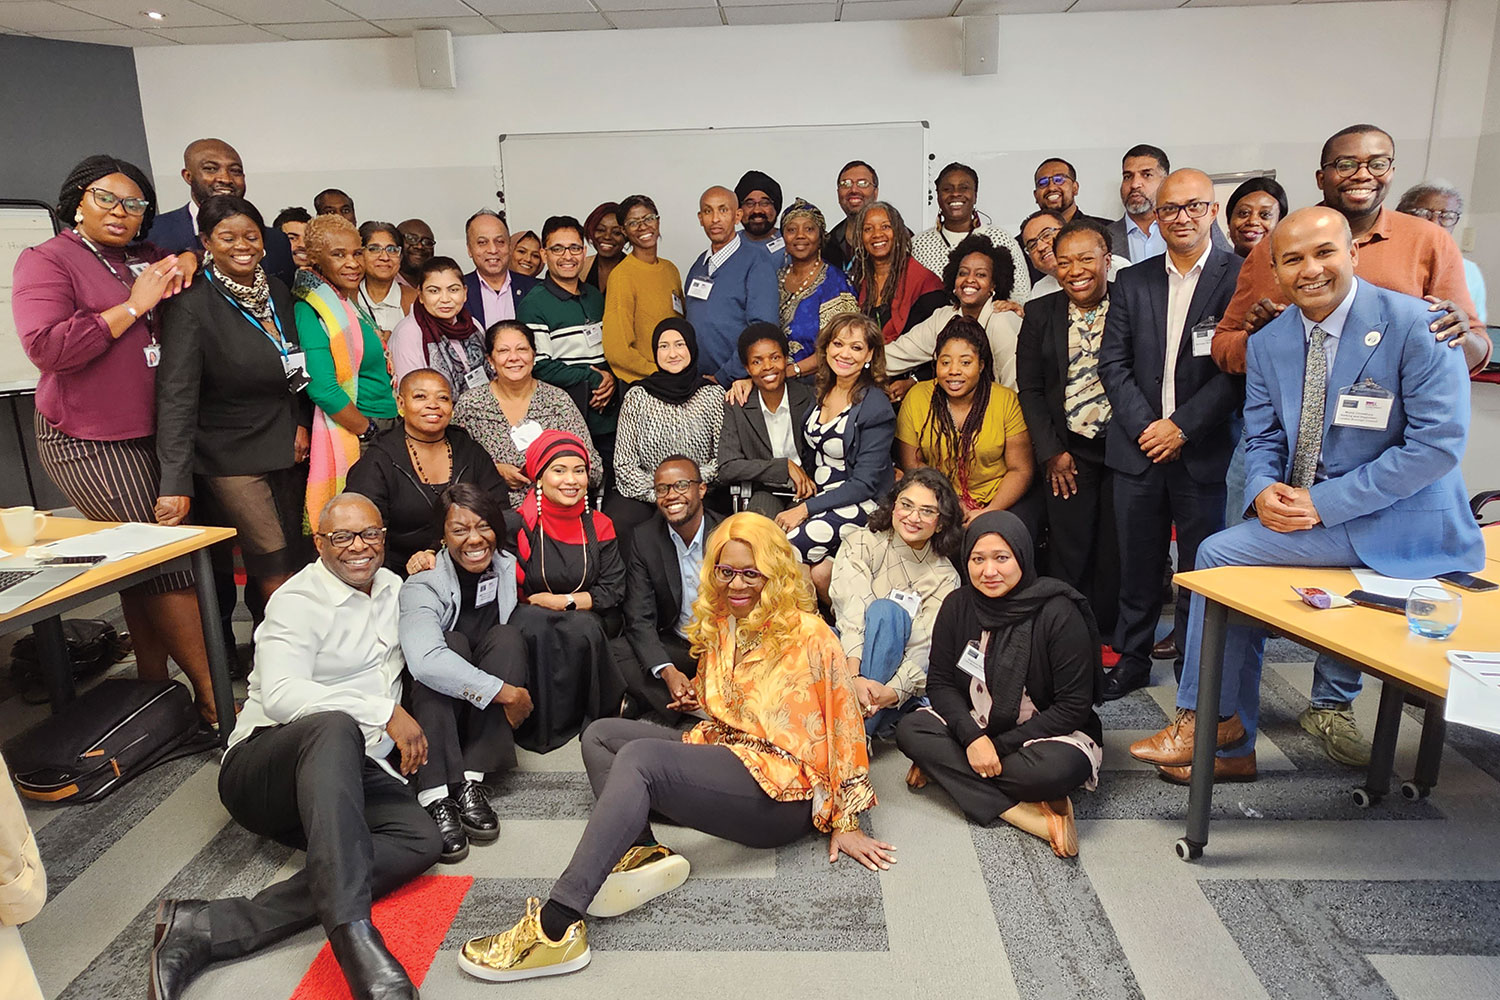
(174, 232)
(1132, 361)
(1398, 491)
(868, 435)
(520, 284)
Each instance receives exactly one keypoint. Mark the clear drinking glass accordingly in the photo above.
(1433, 611)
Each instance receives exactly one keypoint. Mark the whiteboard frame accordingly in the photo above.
(28, 384)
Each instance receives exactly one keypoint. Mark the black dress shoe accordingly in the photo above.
(1122, 680)
(183, 946)
(444, 813)
(474, 812)
(371, 971)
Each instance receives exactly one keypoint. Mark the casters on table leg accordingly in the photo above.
(1364, 798)
(1414, 791)
(1187, 850)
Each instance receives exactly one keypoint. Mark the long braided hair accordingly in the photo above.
(960, 442)
(862, 270)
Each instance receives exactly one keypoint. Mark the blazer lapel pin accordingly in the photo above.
(1372, 338)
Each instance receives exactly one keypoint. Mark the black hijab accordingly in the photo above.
(1011, 615)
(674, 389)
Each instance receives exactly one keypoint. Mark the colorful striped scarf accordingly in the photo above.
(334, 449)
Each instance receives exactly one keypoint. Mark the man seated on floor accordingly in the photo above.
(307, 767)
(1355, 422)
(661, 583)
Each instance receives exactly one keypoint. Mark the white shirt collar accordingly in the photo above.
(1333, 325)
(785, 407)
(1197, 265)
(337, 592)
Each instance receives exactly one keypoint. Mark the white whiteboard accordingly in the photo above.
(21, 226)
(568, 173)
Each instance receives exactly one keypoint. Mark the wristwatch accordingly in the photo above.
(572, 605)
(1181, 436)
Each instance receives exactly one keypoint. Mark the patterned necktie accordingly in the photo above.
(1310, 427)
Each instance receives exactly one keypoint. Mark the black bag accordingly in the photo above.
(114, 732)
(93, 647)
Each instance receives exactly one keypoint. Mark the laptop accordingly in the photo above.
(24, 580)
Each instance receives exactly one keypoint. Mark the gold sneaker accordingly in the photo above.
(640, 876)
(525, 951)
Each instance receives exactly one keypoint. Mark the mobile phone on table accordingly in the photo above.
(1468, 581)
(1365, 599)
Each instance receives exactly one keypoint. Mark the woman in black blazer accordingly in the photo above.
(751, 455)
(232, 416)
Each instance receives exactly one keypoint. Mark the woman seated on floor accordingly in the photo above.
(889, 579)
(782, 754)
(572, 582)
(468, 665)
(1013, 680)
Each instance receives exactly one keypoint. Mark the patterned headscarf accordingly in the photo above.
(803, 207)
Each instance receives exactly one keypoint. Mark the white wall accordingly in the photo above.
(1222, 89)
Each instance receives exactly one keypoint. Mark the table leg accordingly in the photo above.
(1210, 682)
(1383, 747)
(213, 639)
(1429, 752)
(53, 660)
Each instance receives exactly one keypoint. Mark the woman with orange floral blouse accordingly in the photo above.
(781, 754)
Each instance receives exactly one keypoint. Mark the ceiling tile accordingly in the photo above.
(230, 35)
(279, 11)
(328, 29)
(376, 9)
(610, 6)
(969, 7)
(551, 22)
(783, 13)
(458, 25)
(692, 17)
(41, 17)
(1087, 6)
(116, 36)
(1243, 3)
(726, 4)
(894, 10)
(531, 6)
(180, 13)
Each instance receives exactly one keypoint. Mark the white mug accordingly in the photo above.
(21, 524)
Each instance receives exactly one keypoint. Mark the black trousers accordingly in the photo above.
(652, 691)
(1146, 507)
(1038, 773)
(461, 737)
(636, 768)
(1083, 538)
(310, 786)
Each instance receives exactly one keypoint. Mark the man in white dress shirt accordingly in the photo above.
(307, 766)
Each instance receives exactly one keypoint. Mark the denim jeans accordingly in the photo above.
(887, 629)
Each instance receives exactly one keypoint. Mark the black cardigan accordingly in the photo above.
(222, 403)
(1060, 680)
(412, 511)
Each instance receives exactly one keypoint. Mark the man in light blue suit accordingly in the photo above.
(1355, 421)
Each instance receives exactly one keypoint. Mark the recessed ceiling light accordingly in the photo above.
(155, 15)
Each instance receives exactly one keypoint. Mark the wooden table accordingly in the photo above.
(44, 614)
(1374, 642)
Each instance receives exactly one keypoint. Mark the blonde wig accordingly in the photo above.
(785, 594)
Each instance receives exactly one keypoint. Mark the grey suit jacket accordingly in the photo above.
(745, 443)
(1119, 243)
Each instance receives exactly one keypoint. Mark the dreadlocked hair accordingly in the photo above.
(959, 442)
(862, 271)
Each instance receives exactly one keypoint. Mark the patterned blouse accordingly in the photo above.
(650, 430)
(551, 408)
(1087, 407)
(793, 720)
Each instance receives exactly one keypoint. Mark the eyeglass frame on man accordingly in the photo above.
(1368, 163)
(1048, 180)
(571, 249)
(1049, 233)
(1195, 209)
(369, 536)
(414, 240)
(682, 487)
(855, 182)
(1432, 215)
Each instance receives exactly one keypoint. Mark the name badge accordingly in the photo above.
(776, 245)
(699, 288)
(593, 334)
(137, 267)
(909, 600)
(476, 378)
(972, 661)
(153, 355)
(677, 303)
(1203, 338)
(1366, 406)
(524, 433)
(292, 362)
(488, 588)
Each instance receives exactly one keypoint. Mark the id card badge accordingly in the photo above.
(1366, 406)
(677, 303)
(294, 361)
(971, 661)
(153, 355)
(1203, 338)
(488, 588)
(909, 600)
(524, 433)
(776, 245)
(699, 288)
(476, 378)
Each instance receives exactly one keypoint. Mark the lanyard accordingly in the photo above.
(279, 341)
(129, 288)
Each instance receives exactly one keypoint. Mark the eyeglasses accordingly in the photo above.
(344, 539)
(846, 183)
(380, 250)
(1058, 179)
(1045, 236)
(425, 242)
(1194, 209)
(906, 508)
(1446, 218)
(681, 487)
(1348, 166)
(642, 222)
(725, 574)
(108, 200)
(571, 250)
(757, 203)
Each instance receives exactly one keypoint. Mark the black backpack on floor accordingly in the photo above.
(110, 734)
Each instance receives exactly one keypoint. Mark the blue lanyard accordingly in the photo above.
(278, 341)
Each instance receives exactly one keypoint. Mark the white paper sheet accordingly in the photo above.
(1389, 586)
(1474, 690)
(114, 543)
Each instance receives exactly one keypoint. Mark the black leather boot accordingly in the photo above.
(371, 971)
